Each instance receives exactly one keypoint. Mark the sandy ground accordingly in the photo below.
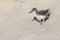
(17, 24)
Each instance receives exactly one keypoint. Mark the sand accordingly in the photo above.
(16, 22)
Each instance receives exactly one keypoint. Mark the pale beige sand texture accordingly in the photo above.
(6, 4)
(17, 24)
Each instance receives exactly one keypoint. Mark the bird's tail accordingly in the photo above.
(46, 11)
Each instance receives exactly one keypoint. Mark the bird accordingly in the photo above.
(40, 16)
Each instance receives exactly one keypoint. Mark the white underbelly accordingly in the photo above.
(39, 17)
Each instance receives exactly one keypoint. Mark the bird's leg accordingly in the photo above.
(46, 19)
(34, 18)
(41, 21)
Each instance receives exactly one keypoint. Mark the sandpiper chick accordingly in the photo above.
(40, 16)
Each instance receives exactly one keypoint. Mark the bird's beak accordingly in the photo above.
(30, 12)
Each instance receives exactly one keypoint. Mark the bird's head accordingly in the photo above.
(33, 9)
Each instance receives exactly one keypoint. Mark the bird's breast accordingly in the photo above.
(39, 17)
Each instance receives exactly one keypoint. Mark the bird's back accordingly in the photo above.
(42, 12)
